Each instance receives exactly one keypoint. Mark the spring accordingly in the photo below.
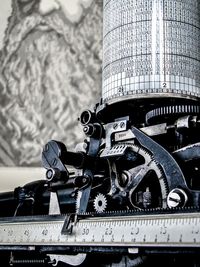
(30, 261)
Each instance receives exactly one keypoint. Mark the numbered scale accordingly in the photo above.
(166, 230)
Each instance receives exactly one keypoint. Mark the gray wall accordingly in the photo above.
(50, 71)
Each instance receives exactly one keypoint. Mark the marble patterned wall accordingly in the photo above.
(51, 55)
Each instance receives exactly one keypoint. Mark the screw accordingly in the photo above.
(122, 124)
(84, 180)
(124, 193)
(177, 198)
(115, 125)
(174, 200)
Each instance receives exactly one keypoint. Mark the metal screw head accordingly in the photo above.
(177, 198)
(115, 125)
(124, 193)
(122, 124)
(173, 200)
(84, 180)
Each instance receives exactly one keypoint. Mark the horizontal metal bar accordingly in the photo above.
(150, 231)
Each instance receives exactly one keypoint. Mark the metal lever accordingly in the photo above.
(55, 156)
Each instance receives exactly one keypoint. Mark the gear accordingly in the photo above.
(100, 203)
(150, 171)
(151, 165)
(157, 114)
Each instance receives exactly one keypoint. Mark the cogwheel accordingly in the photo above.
(100, 203)
(150, 164)
(158, 113)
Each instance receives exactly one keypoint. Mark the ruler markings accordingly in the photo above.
(163, 230)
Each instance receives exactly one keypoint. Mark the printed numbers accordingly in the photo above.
(45, 232)
(85, 231)
(108, 231)
(135, 231)
(10, 232)
(163, 230)
(195, 230)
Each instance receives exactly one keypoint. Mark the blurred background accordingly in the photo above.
(50, 71)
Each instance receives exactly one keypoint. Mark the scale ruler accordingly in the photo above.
(168, 230)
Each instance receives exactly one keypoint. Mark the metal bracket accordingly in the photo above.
(114, 127)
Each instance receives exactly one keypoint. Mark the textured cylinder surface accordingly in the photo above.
(151, 48)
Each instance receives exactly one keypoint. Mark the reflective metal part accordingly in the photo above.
(100, 203)
(183, 123)
(188, 153)
(114, 127)
(122, 136)
(133, 250)
(147, 198)
(73, 260)
(151, 49)
(54, 207)
(155, 129)
(163, 230)
(78, 201)
(177, 198)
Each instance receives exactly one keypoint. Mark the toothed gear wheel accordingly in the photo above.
(100, 203)
(149, 165)
(159, 113)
